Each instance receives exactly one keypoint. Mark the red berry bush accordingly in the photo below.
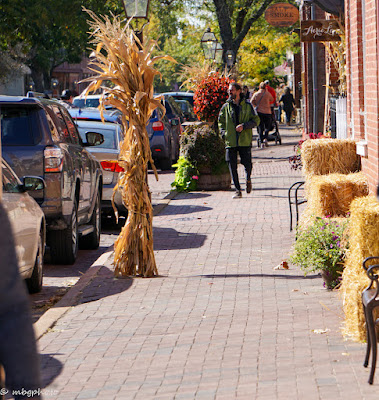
(210, 95)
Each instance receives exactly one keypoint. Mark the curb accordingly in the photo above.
(71, 298)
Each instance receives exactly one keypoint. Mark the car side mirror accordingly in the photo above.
(174, 122)
(94, 138)
(33, 183)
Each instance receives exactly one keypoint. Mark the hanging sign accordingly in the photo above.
(319, 31)
(282, 14)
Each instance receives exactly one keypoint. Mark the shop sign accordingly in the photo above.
(319, 31)
(282, 14)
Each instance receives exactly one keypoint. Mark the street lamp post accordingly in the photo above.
(219, 53)
(137, 9)
(208, 44)
(230, 58)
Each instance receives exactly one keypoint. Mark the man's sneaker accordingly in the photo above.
(237, 194)
(265, 142)
(248, 186)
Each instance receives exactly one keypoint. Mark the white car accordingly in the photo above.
(107, 154)
(28, 224)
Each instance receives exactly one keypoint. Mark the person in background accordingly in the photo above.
(288, 104)
(67, 98)
(261, 102)
(272, 104)
(236, 120)
(246, 93)
(18, 352)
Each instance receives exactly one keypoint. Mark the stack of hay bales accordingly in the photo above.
(364, 242)
(331, 178)
(334, 188)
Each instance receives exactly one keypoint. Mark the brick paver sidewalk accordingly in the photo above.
(219, 322)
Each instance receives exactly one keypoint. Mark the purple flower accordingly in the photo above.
(335, 237)
(338, 244)
(331, 246)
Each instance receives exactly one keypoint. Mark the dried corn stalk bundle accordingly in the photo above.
(326, 156)
(331, 195)
(128, 64)
(193, 74)
(364, 242)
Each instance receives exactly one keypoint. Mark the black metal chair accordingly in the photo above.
(293, 199)
(370, 300)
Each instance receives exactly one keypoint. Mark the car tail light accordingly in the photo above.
(111, 166)
(53, 159)
(158, 126)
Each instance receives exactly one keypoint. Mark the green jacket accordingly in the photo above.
(227, 124)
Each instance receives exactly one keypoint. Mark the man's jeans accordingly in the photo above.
(231, 159)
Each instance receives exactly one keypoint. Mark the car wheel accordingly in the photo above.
(165, 164)
(34, 283)
(64, 243)
(92, 240)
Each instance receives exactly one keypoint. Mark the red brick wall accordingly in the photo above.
(358, 90)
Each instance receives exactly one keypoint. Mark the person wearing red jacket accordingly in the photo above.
(272, 91)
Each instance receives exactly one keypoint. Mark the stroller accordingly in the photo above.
(275, 136)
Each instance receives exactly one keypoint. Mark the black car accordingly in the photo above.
(40, 138)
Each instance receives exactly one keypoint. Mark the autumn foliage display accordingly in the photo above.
(210, 95)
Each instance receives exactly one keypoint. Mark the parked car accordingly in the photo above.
(107, 154)
(28, 224)
(181, 96)
(164, 148)
(187, 110)
(93, 114)
(89, 101)
(40, 138)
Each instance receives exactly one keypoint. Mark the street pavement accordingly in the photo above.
(220, 321)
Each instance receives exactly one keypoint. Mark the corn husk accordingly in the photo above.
(328, 156)
(121, 58)
(364, 242)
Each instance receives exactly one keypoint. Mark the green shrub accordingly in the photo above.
(186, 176)
(204, 148)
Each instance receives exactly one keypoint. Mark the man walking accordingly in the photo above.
(236, 120)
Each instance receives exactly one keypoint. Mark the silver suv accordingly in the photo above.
(39, 138)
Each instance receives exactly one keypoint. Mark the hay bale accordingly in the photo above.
(364, 242)
(331, 195)
(327, 156)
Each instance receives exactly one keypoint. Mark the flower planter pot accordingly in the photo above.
(208, 181)
(331, 279)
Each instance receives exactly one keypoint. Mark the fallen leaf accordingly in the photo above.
(282, 265)
(295, 290)
(320, 331)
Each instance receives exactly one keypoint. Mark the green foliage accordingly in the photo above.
(322, 247)
(203, 147)
(262, 51)
(186, 176)
(50, 31)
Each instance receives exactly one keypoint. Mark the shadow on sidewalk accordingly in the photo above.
(50, 367)
(280, 276)
(103, 285)
(171, 239)
(183, 209)
(191, 195)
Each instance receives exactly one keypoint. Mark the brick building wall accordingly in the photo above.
(362, 81)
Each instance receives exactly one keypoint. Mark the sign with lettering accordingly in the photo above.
(319, 31)
(282, 14)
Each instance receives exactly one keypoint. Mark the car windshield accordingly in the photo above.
(83, 103)
(20, 125)
(110, 137)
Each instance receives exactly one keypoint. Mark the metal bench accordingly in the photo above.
(370, 301)
(295, 200)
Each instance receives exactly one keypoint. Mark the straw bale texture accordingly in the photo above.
(121, 58)
(331, 195)
(364, 242)
(326, 156)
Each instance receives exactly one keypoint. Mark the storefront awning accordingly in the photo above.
(335, 7)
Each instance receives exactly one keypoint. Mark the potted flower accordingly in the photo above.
(210, 96)
(201, 164)
(321, 247)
